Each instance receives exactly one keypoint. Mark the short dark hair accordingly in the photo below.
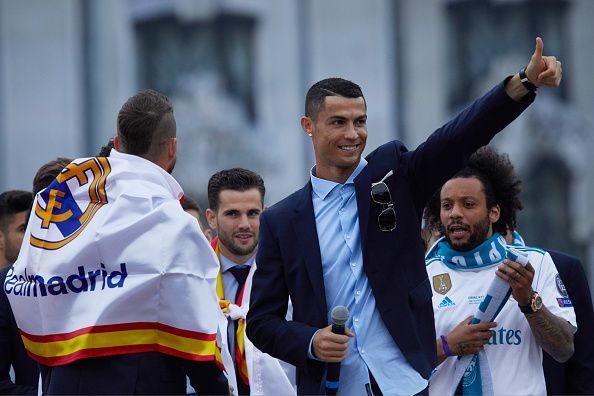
(190, 204)
(105, 150)
(237, 179)
(316, 95)
(11, 203)
(431, 213)
(48, 172)
(501, 186)
(139, 120)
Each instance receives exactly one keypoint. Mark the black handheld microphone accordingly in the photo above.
(339, 315)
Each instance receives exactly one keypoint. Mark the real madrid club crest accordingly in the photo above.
(68, 204)
(442, 283)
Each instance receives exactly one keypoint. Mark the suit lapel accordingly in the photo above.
(304, 225)
(363, 191)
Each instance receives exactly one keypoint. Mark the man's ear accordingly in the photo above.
(171, 148)
(208, 234)
(211, 217)
(307, 125)
(494, 214)
(116, 143)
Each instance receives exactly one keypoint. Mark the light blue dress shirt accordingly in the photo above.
(230, 287)
(372, 348)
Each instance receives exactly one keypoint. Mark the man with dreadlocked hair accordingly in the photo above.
(472, 275)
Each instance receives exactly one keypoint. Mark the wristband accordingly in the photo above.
(446, 348)
(526, 82)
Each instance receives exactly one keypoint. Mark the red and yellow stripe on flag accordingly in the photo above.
(240, 333)
(107, 340)
(240, 352)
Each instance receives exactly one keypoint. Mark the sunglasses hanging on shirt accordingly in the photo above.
(380, 194)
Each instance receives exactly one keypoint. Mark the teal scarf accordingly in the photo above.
(518, 240)
(488, 253)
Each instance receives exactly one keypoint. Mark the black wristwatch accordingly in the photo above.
(526, 82)
(534, 306)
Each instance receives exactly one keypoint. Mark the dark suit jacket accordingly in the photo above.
(289, 262)
(12, 352)
(576, 376)
(148, 373)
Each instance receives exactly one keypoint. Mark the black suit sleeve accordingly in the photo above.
(207, 378)
(267, 327)
(575, 376)
(448, 148)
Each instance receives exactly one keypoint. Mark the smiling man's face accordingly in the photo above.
(237, 222)
(339, 134)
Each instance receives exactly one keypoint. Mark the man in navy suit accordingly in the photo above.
(573, 377)
(351, 237)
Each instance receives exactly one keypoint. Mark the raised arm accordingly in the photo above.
(447, 149)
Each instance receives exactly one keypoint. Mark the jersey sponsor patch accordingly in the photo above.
(442, 283)
(446, 302)
(564, 302)
(560, 286)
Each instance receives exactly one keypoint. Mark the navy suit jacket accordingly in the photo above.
(576, 376)
(289, 263)
(12, 352)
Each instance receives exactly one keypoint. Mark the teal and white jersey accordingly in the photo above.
(514, 357)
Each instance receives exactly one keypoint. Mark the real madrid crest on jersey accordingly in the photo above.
(68, 204)
(442, 283)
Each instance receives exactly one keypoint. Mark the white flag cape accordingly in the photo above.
(111, 264)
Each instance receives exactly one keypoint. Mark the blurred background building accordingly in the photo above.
(237, 72)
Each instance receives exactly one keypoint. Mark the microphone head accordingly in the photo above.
(339, 315)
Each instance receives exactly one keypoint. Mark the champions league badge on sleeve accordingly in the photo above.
(564, 301)
(68, 204)
(560, 286)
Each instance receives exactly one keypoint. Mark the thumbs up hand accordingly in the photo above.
(543, 70)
